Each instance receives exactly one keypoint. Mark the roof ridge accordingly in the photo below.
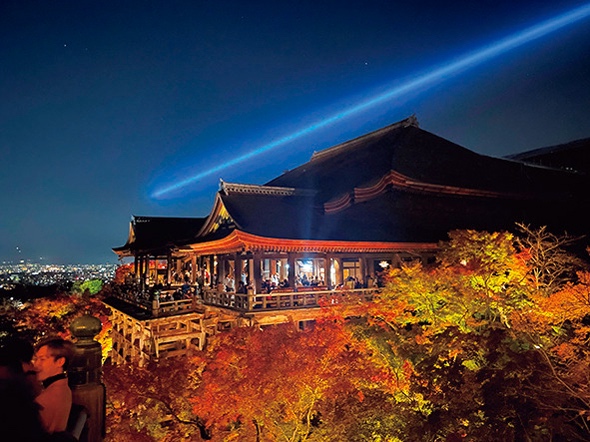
(412, 120)
(570, 145)
(148, 218)
(258, 189)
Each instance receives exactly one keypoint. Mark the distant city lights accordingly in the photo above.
(51, 274)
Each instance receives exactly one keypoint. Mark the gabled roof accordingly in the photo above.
(282, 213)
(158, 234)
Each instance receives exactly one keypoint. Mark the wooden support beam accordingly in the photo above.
(257, 272)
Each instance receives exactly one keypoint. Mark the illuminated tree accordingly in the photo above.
(152, 403)
(491, 343)
(558, 330)
(123, 273)
(93, 286)
(41, 317)
(281, 383)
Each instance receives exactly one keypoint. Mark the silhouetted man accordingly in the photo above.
(51, 362)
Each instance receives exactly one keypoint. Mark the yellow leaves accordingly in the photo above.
(471, 364)
(548, 314)
(477, 251)
(380, 438)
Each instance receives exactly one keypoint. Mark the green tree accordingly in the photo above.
(93, 286)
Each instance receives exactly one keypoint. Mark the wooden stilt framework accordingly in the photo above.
(143, 340)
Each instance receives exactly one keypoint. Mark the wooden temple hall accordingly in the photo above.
(236, 260)
(269, 253)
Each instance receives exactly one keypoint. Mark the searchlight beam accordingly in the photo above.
(435, 76)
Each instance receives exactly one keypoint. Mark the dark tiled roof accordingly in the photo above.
(290, 217)
(155, 233)
(547, 196)
(394, 216)
(573, 156)
(420, 155)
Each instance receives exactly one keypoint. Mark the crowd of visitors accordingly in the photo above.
(184, 285)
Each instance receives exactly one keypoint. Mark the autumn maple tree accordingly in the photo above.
(39, 317)
(281, 383)
(153, 403)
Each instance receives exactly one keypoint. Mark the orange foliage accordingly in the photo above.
(122, 273)
(278, 380)
(153, 402)
(54, 315)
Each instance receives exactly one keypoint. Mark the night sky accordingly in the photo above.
(104, 103)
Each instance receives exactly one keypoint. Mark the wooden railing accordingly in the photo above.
(177, 306)
(276, 300)
(281, 300)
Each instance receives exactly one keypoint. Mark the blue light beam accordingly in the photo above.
(433, 77)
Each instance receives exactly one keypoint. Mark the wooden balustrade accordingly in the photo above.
(281, 300)
(181, 305)
(276, 300)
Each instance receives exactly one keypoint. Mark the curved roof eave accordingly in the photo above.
(239, 241)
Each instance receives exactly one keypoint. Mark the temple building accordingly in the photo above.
(341, 219)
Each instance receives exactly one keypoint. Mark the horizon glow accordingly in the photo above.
(431, 78)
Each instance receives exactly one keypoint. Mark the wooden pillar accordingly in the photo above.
(194, 269)
(284, 273)
(142, 272)
(339, 271)
(273, 267)
(169, 269)
(206, 270)
(291, 263)
(362, 269)
(221, 269)
(328, 270)
(256, 273)
(248, 270)
(146, 270)
(238, 265)
(326, 266)
(211, 265)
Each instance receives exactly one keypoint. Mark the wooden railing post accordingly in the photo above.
(85, 376)
(156, 305)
